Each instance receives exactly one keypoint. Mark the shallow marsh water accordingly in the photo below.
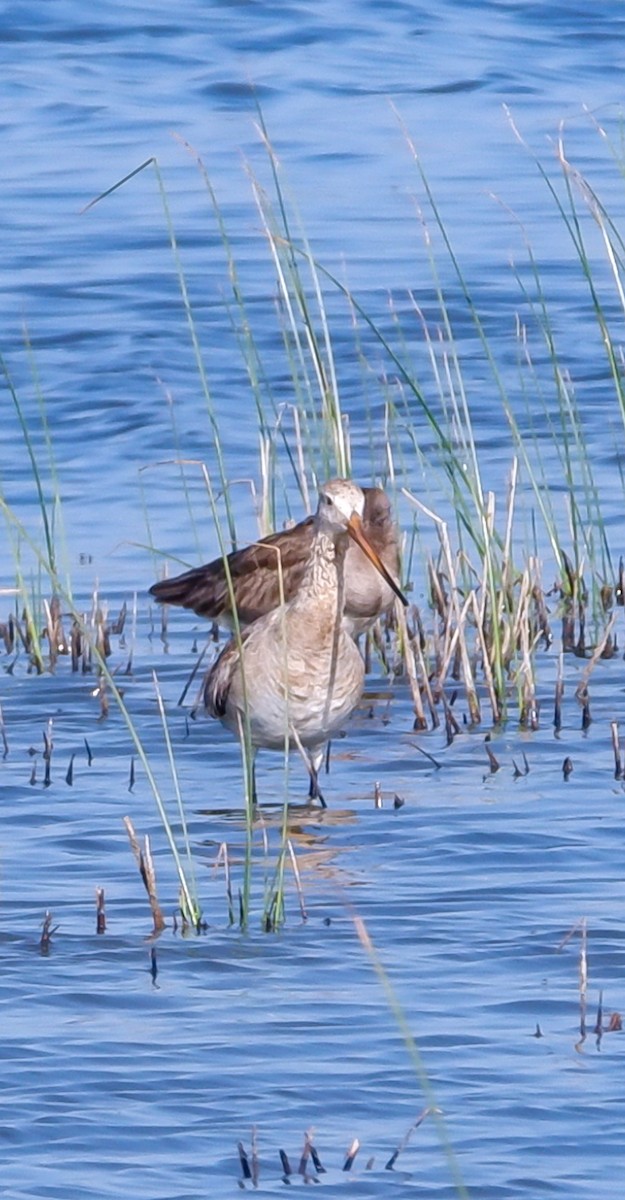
(115, 1080)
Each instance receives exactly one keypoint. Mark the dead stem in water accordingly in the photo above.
(100, 911)
(425, 1112)
(351, 1154)
(619, 762)
(3, 735)
(223, 860)
(47, 931)
(147, 872)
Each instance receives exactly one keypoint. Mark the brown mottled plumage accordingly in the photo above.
(255, 576)
(297, 674)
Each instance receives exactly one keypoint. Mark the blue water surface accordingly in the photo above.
(114, 1080)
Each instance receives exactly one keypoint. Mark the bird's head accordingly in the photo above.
(340, 510)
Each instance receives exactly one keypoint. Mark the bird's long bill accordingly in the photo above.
(356, 533)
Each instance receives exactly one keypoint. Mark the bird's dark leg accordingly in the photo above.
(314, 762)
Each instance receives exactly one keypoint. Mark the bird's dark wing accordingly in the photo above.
(255, 577)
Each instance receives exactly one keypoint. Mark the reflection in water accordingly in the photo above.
(308, 828)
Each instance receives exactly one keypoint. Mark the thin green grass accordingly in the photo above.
(187, 885)
(486, 594)
(44, 503)
(488, 629)
(414, 1054)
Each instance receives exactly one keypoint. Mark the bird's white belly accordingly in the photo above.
(314, 695)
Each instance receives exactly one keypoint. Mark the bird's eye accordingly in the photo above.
(327, 499)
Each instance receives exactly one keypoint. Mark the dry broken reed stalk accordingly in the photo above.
(250, 1165)
(48, 747)
(43, 624)
(69, 774)
(53, 630)
(309, 1165)
(425, 1112)
(605, 644)
(583, 980)
(298, 880)
(47, 932)
(3, 735)
(90, 645)
(350, 1156)
(488, 622)
(470, 630)
(614, 1023)
(413, 662)
(488, 618)
(145, 863)
(619, 762)
(309, 1152)
(224, 860)
(101, 912)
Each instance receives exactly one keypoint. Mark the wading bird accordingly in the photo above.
(297, 674)
(255, 573)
